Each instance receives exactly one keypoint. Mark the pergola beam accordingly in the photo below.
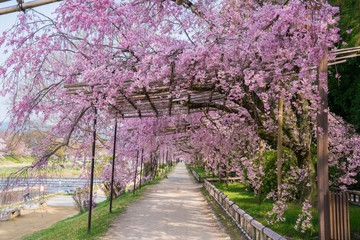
(151, 103)
(131, 103)
(24, 6)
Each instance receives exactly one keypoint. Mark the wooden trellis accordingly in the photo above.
(22, 6)
(159, 100)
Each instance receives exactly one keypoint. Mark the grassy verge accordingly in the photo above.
(76, 227)
(16, 160)
(11, 164)
(248, 202)
(203, 173)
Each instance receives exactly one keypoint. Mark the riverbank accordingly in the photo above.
(34, 220)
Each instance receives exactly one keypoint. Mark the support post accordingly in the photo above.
(113, 166)
(279, 146)
(136, 164)
(261, 149)
(141, 165)
(167, 160)
(92, 170)
(322, 154)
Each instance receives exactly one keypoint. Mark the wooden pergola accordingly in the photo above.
(157, 101)
(22, 6)
(162, 100)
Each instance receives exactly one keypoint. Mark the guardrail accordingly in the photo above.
(247, 224)
(354, 197)
(196, 175)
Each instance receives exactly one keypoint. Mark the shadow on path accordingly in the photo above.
(172, 209)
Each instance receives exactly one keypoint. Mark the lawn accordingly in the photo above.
(203, 173)
(248, 202)
(14, 160)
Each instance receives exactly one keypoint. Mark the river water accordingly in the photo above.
(17, 190)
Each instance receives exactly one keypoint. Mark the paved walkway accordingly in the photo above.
(172, 209)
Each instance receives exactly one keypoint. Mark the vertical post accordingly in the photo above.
(92, 170)
(141, 165)
(322, 154)
(136, 164)
(279, 146)
(167, 159)
(260, 165)
(163, 161)
(113, 166)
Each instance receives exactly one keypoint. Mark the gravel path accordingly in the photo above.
(172, 209)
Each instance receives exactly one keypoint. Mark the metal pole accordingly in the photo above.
(136, 164)
(167, 156)
(322, 154)
(92, 171)
(279, 147)
(113, 167)
(141, 165)
(260, 165)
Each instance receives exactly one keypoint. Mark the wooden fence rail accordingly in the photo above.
(196, 175)
(339, 215)
(251, 228)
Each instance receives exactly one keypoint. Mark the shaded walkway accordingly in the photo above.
(172, 209)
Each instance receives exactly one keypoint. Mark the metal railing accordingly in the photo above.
(247, 224)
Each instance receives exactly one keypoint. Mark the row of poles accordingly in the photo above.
(112, 168)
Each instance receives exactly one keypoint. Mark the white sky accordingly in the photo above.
(6, 22)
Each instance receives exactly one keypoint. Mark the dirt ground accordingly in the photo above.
(173, 209)
(33, 220)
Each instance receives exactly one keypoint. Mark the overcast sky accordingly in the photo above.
(6, 22)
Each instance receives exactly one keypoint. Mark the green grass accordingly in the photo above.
(248, 202)
(17, 160)
(354, 219)
(202, 173)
